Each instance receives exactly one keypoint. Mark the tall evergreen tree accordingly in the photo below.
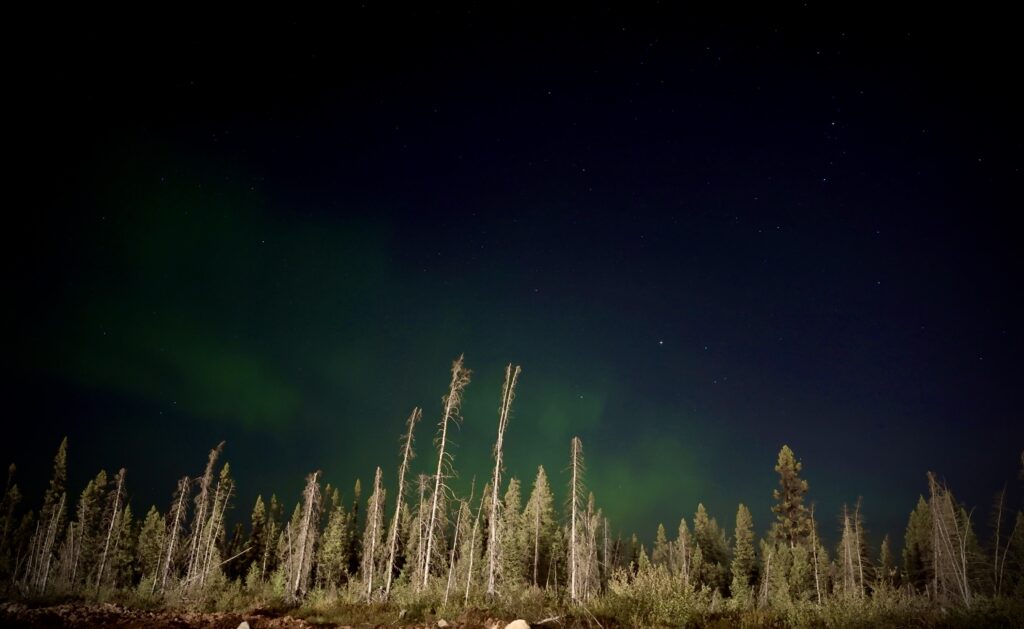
(123, 558)
(792, 524)
(917, 546)
(886, 568)
(257, 542)
(744, 561)
(151, 540)
(512, 560)
(714, 547)
(660, 552)
(88, 528)
(332, 553)
(539, 521)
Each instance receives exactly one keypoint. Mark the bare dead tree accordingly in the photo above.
(452, 404)
(374, 524)
(849, 562)
(196, 545)
(46, 553)
(814, 555)
(472, 544)
(493, 541)
(857, 539)
(110, 529)
(997, 571)
(306, 538)
(225, 489)
(605, 565)
(455, 542)
(421, 529)
(176, 521)
(407, 455)
(949, 545)
(575, 490)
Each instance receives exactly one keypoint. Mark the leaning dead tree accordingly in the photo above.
(177, 516)
(301, 554)
(374, 527)
(114, 519)
(202, 516)
(452, 404)
(508, 393)
(407, 455)
(950, 552)
(575, 519)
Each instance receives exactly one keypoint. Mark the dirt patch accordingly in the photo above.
(110, 615)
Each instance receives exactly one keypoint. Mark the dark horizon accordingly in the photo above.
(701, 240)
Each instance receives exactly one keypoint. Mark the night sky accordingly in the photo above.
(701, 240)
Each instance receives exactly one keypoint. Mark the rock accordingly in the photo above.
(243, 625)
(442, 623)
(518, 623)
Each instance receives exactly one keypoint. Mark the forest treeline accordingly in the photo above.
(502, 543)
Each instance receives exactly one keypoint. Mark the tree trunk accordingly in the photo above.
(460, 378)
(407, 454)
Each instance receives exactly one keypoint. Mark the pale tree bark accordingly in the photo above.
(374, 519)
(576, 455)
(452, 404)
(997, 573)
(949, 539)
(455, 545)
(306, 538)
(814, 554)
(472, 545)
(51, 537)
(225, 488)
(110, 529)
(177, 518)
(857, 546)
(196, 546)
(407, 455)
(493, 541)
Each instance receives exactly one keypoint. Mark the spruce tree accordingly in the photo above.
(539, 521)
(89, 529)
(886, 570)
(512, 560)
(332, 553)
(917, 546)
(151, 540)
(123, 558)
(268, 562)
(660, 552)
(744, 561)
(714, 547)
(792, 524)
(257, 541)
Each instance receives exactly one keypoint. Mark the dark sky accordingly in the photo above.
(702, 239)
